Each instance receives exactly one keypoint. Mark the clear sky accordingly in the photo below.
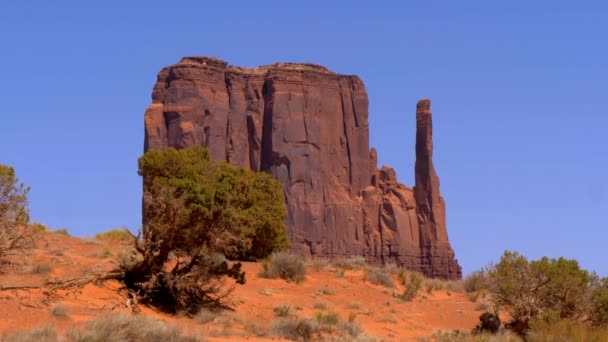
(519, 91)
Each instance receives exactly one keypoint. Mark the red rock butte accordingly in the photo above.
(308, 127)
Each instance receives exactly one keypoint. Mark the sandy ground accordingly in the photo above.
(374, 307)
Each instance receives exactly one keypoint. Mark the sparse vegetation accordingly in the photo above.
(284, 265)
(282, 310)
(111, 327)
(62, 231)
(350, 263)
(60, 311)
(326, 291)
(206, 315)
(379, 276)
(295, 329)
(38, 227)
(15, 231)
(120, 234)
(327, 318)
(41, 334)
(41, 268)
(412, 283)
(320, 305)
(123, 327)
(475, 282)
(353, 305)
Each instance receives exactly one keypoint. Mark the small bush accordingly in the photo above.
(41, 334)
(475, 282)
(379, 276)
(465, 336)
(319, 264)
(340, 273)
(353, 305)
(320, 305)
(60, 311)
(325, 291)
(123, 327)
(295, 329)
(105, 253)
(412, 282)
(565, 330)
(205, 315)
(350, 329)
(38, 227)
(327, 318)
(282, 310)
(284, 265)
(62, 231)
(350, 263)
(121, 234)
(42, 268)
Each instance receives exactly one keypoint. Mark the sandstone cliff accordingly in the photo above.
(308, 127)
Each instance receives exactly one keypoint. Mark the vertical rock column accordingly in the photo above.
(437, 254)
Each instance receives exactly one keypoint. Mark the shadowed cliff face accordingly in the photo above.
(308, 127)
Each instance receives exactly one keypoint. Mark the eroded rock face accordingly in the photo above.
(308, 127)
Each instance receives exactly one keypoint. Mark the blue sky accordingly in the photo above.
(519, 93)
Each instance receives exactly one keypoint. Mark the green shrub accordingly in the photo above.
(599, 314)
(121, 234)
(284, 265)
(14, 214)
(193, 210)
(529, 288)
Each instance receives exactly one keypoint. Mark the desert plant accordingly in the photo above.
(123, 327)
(599, 313)
(475, 281)
(282, 310)
(320, 305)
(319, 264)
(194, 210)
(530, 288)
(350, 263)
(120, 234)
(206, 315)
(325, 291)
(564, 330)
(379, 276)
(295, 329)
(62, 231)
(327, 318)
(353, 305)
(42, 268)
(15, 232)
(38, 227)
(41, 334)
(284, 265)
(60, 311)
